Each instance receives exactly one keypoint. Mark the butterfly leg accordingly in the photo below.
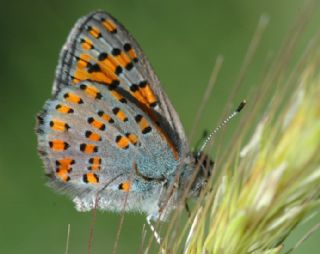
(187, 208)
(154, 231)
(166, 200)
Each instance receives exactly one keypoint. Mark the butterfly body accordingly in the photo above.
(109, 137)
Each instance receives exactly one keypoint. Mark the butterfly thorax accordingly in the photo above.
(188, 180)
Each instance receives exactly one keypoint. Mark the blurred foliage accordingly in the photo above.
(255, 201)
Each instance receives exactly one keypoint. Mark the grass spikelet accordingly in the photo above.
(268, 186)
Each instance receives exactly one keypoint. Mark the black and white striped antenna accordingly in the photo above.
(225, 121)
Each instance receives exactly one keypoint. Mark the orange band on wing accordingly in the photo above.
(133, 138)
(73, 98)
(148, 94)
(120, 114)
(92, 136)
(100, 72)
(118, 96)
(58, 145)
(95, 163)
(91, 91)
(125, 186)
(96, 124)
(108, 65)
(64, 109)
(105, 117)
(58, 125)
(88, 148)
(123, 59)
(65, 164)
(90, 178)
(132, 54)
(95, 32)
(82, 74)
(144, 94)
(109, 25)
(63, 174)
(86, 44)
(122, 142)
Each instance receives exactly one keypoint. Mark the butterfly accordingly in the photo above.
(109, 137)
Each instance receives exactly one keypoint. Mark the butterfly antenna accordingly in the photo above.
(225, 121)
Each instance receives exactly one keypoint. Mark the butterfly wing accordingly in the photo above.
(92, 139)
(100, 49)
(108, 115)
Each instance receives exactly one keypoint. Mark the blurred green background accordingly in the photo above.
(182, 40)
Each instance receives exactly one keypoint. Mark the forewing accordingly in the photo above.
(100, 49)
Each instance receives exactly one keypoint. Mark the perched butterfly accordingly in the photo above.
(110, 138)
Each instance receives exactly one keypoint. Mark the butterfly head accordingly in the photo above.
(198, 175)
